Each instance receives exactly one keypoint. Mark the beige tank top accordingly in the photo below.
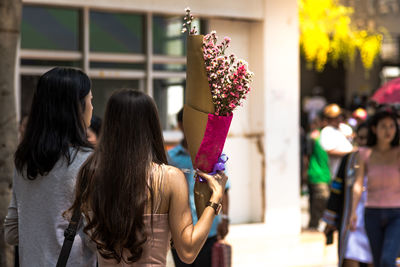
(155, 249)
(157, 245)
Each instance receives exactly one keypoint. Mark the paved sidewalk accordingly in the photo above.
(252, 247)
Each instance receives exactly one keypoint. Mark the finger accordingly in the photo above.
(204, 175)
(222, 174)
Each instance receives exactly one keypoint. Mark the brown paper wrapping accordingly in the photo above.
(195, 115)
(198, 94)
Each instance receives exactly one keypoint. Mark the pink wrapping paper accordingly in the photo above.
(213, 142)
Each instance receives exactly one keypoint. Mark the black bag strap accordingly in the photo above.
(69, 236)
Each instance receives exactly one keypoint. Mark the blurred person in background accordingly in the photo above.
(380, 162)
(93, 132)
(180, 158)
(344, 125)
(330, 145)
(354, 250)
(318, 174)
(360, 116)
(332, 139)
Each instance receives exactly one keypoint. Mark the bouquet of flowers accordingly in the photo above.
(215, 85)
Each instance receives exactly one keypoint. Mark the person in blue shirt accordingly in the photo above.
(180, 158)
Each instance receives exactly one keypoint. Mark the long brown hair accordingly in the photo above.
(116, 182)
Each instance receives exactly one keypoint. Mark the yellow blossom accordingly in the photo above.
(326, 33)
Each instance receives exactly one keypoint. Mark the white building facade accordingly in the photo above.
(137, 44)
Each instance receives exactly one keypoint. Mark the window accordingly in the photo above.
(102, 89)
(169, 97)
(118, 55)
(116, 32)
(50, 28)
(167, 36)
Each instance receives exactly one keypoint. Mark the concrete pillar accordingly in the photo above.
(282, 87)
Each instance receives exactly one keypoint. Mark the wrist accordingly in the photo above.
(216, 198)
(216, 206)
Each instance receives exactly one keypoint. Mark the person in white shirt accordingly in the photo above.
(332, 140)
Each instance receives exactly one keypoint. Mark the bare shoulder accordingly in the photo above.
(173, 174)
(175, 181)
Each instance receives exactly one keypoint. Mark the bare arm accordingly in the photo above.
(337, 153)
(341, 153)
(189, 239)
(357, 190)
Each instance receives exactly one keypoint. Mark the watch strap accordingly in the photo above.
(215, 206)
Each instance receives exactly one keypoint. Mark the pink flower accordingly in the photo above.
(228, 79)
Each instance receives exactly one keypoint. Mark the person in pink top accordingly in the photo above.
(134, 203)
(380, 163)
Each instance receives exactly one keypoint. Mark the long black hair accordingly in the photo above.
(115, 184)
(373, 122)
(55, 122)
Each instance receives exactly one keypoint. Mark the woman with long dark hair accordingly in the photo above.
(47, 161)
(380, 163)
(133, 202)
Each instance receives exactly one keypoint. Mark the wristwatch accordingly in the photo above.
(216, 206)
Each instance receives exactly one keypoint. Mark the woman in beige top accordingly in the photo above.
(133, 202)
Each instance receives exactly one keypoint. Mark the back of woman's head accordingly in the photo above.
(55, 121)
(131, 117)
(116, 183)
(373, 123)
